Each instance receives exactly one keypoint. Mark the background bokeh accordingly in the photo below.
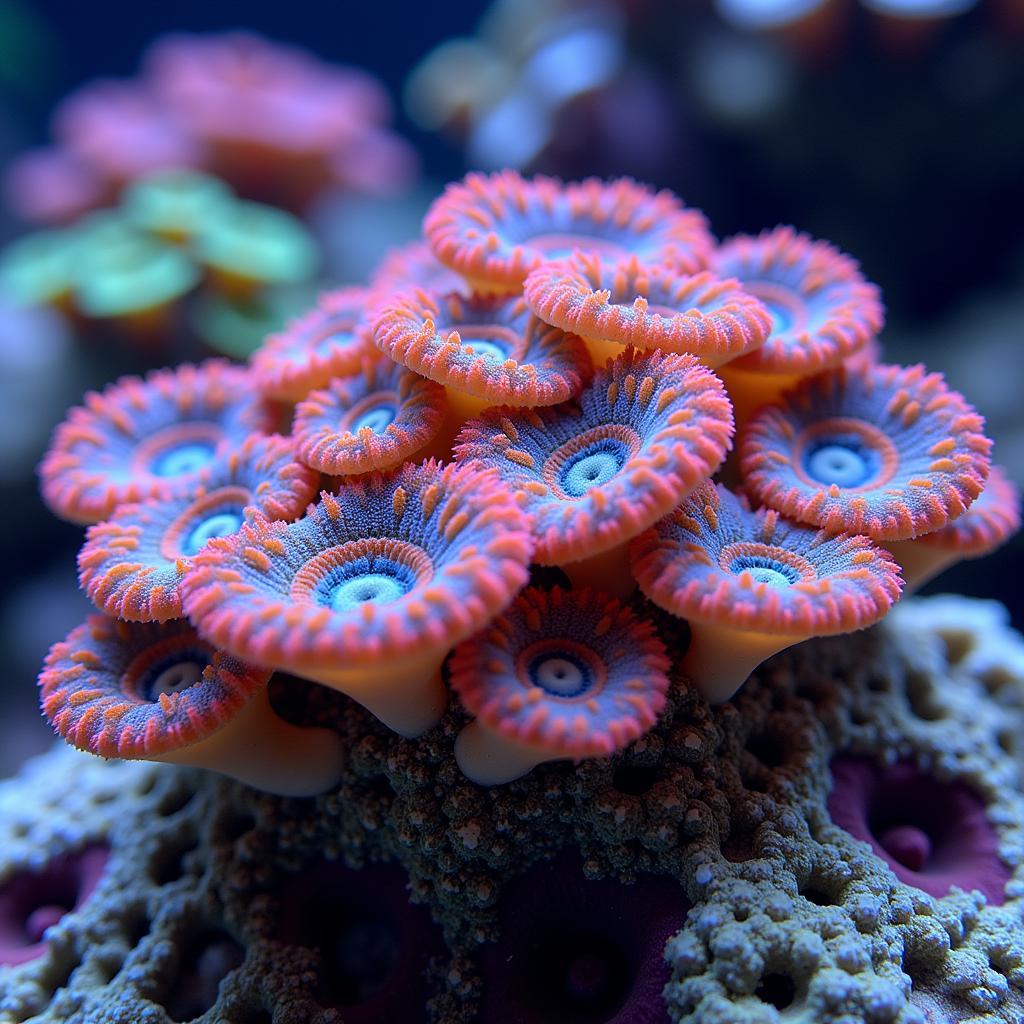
(901, 143)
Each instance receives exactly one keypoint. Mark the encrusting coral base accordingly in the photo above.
(389, 897)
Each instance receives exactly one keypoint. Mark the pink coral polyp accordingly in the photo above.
(124, 689)
(330, 340)
(391, 565)
(988, 524)
(373, 419)
(414, 266)
(490, 347)
(889, 451)
(715, 560)
(822, 308)
(574, 674)
(650, 307)
(596, 472)
(132, 565)
(239, 87)
(119, 130)
(150, 437)
(494, 229)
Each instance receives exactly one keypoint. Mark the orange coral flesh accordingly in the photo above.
(148, 438)
(132, 564)
(595, 473)
(329, 341)
(414, 266)
(823, 309)
(574, 674)
(372, 419)
(345, 586)
(988, 524)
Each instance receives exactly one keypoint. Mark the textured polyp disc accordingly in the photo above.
(491, 347)
(132, 564)
(575, 674)
(494, 229)
(393, 565)
(596, 472)
(372, 419)
(331, 340)
(822, 309)
(649, 307)
(125, 689)
(888, 451)
(714, 560)
(148, 438)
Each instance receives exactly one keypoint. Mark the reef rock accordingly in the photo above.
(841, 843)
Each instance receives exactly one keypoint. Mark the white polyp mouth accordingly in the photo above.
(176, 678)
(839, 464)
(559, 675)
(220, 524)
(377, 419)
(182, 459)
(367, 588)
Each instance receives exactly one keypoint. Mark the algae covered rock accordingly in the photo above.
(840, 843)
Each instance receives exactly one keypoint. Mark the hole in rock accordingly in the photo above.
(573, 951)
(174, 801)
(107, 968)
(738, 848)
(237, 825)
(61, 974)
(922, 697)
(813, 894)
(933, 833)
(777, 990)
(878, 683)
(209, 956)
(767, 750)
(169, 864)
(147, 784)
(32, 901)
(380, 787)
(256, 1017)
(914, 966)
(634, 779)
(958, 644)
(137, 926)
(374, 945)
(754, 777)
(997, 678)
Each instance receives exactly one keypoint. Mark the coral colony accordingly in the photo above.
(272, 120)
(180, 248)
(488, 559)
(167, 202)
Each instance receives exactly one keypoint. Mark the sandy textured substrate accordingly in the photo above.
(700, 877)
